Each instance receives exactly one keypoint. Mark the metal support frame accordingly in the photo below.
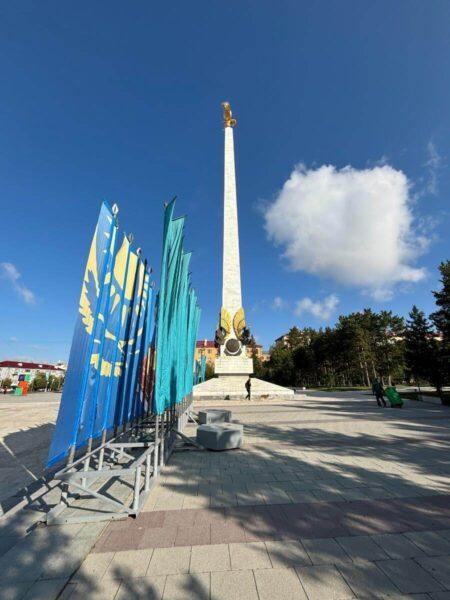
(137, 454)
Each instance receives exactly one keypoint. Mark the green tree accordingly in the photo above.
(209, 372)
(441, 320)
(259, 369)
(304, 366)
(39, 382)
(280, 368)
(6, 383)
(389, 346)
(419, 346)
(55, 384)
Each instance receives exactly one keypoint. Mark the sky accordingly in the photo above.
(342, 153)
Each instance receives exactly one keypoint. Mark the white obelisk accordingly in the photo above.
(231, 265)
(232, 367)
(233, 358)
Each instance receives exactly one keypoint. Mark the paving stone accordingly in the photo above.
(105, 589)
(325, 551)
(193, 536)
(246, 498)
(161, 537)
(94, 565)
(175, 518)
(169, 561)
(320, 582)
(188, 586)
(287, 553)
(233, 585)
(128, 539)
(150, 588)
(226, 534)
(279, 584)
(397, 546)
(129, 563)
(409, 576)
(195, 502)
(14, 589)
(353, 494)
(276, 497)
(367, 580)
(44, 590)
(440, 596)
(170, 502)
(361, 547)
(438, 567)
(7, 542)
(302, 496)
(252, 555)
(210, 558)
(328, 495)
(430, 542)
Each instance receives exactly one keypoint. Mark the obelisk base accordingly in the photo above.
(233, 365)
(232, 387)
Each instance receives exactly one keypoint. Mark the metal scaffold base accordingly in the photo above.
(114, 480)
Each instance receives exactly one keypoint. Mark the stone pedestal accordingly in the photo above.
(232, 387)
(233, 365)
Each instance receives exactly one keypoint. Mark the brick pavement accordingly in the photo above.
(329, 498)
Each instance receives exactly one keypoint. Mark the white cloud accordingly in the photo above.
(382, 294)
(278, 303)
(433, 164)
(319, 309)
(10, 272)
(353, 226)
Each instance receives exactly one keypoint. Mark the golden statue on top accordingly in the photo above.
(227, 115)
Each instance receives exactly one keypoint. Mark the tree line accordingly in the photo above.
(367, 345)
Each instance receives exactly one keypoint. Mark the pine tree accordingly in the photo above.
(418, 345)
(441, 320)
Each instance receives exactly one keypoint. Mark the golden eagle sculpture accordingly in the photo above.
(228, 120)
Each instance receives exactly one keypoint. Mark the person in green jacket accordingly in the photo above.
(379, 393)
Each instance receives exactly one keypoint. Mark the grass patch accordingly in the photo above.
(356, 388)
(445, 398)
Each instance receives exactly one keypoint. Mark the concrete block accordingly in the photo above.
(214, 415)
(224, 436)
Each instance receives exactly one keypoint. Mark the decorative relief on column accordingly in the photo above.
(239, 322)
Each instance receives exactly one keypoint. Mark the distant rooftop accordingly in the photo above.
(20, 364)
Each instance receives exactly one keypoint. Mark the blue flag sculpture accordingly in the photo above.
(102, 384)
(115, 373)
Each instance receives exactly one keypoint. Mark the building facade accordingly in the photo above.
(11, 369)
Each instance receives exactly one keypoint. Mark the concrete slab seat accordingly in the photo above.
(220, 436)
(214, 415)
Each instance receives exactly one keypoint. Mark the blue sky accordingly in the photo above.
(121, 102)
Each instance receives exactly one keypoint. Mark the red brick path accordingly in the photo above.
(162, 529)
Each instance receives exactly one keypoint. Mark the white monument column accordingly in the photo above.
(231, 267)
(233, 358)
(232, 367)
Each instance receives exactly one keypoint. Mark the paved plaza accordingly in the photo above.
(26, 429)
(330, 498)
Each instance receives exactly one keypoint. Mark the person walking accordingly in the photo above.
(248, 387)
(379, 393)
